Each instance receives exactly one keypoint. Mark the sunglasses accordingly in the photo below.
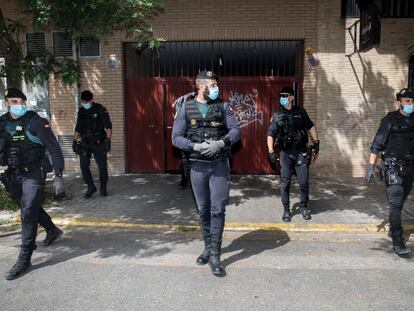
(284, 94)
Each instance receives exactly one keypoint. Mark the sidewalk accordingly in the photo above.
(138, 200)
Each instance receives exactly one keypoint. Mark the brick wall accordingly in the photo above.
(346, 97)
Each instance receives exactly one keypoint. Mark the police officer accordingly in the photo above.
(288, 131)
(395, 138)
(93, 133)
(25, 137)
(206, 128)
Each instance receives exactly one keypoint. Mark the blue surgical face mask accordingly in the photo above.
(86, 105)
(284, 101)
(18, 110)
(408, 109)
(213, 93)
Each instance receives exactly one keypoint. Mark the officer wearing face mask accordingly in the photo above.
(206, 128)
(93, 133)
(395, 139)
(24, 139)
(288, 132)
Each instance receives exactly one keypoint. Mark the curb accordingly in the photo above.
(230, 226)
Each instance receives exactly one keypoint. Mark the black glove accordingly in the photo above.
(315, 149)
(76, 146)
(272, 158)
(370, 174)
(107, 145)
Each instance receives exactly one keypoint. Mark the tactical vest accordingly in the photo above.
(292, 132)
(200, 129)
(91, 126)
(400, 141)
(23, 150)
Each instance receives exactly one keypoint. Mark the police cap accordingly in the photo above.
(287, 89)
(405, 93)
(86, 95)
(14, 93)
(207, 75)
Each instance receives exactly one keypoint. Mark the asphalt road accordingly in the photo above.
(114, 269)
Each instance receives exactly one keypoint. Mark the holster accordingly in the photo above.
(5, 179)
(393, 172)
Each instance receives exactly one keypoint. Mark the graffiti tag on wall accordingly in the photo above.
(245, 108)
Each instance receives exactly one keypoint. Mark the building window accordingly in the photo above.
(35, 43)
(226, 58)
(350, 9)
(397, 8)
(62, 44)
(411, 73)
(89, 47)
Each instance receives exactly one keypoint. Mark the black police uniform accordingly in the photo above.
(91, 125)
(289, 129)
(395, 137)
(26, 140)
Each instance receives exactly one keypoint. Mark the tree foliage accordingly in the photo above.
(79, 18)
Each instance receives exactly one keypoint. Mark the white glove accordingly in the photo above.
(214, 146)
(200, 147)
(58, 186)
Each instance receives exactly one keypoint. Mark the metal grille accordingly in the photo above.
(226, 58)
(62, 44)
(397, 8)
(350, 9)
(89, 47)
(35, 43)
(65, 142)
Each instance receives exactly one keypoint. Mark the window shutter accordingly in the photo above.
(89, 46)
(62, 44)
(35, 43)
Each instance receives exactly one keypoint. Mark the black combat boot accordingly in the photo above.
(287, 215)
(306, 214)
(22, 264)
(91, 190)
(215, 264)
(399, 246)
(102, 189)
(205, 256)
(52, 235)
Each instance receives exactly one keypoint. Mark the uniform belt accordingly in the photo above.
(213, 160)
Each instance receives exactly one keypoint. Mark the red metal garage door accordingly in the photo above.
(253, 101)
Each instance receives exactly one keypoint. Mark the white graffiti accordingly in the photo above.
(245, 108)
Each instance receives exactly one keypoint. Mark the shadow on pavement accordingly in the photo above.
(254, 243)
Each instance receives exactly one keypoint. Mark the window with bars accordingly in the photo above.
(397, 8)
(35, 43)
(226, 58)
(89, 47)
(350, 9)
(62, 44)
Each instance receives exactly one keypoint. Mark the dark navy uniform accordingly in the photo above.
(91, 125)
(210, 176)
(28, 137)
(289, 128)
(24, 139)
(206, 131)
(395, 137)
